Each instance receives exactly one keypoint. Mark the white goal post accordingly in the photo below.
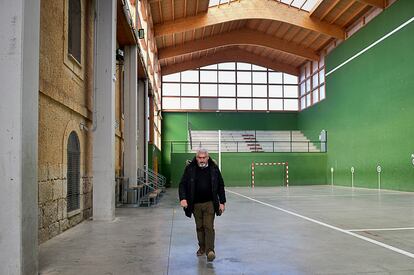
(284, 164)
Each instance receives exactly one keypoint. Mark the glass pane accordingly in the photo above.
(208, 89)
(275, 91)
(259, 77)
(227, 90)
(189, 76)
(243, 66)
(210, 67)
(322, 76)
(321, 62)
(308, 86)
(291, 91)
(315, 95)
(275, 78)
(208, 76)
(307, 68)
(171, 77)
(291, 104)
(258, 68)
(322, 92)
(259, 104)
(259, 90)
(302, 73)
(276, 104)
(227, 104)
(315, 81)
(244, 104)
(244, 90)
(290, 79)
(315, 66)
(227, 77)
(171, 103)
(302, 88)
(189, 103)
(302, 103)
(308, 100)
(189, 89)
(244, 77)
(227, 66)
(208, 103)
(170, 89)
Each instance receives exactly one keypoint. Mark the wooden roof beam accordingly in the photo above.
(229, 55)
(238, 37)
(375, 3)
(252, 9)
(318, 4)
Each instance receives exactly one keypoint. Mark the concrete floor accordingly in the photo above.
(295, 230)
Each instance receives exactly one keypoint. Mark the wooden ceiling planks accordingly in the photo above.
(339, 14)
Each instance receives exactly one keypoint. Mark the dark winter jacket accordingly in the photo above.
(187, 186)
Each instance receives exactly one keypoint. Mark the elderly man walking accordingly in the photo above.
(202, 193)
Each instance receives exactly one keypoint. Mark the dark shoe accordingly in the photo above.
(211, 256)
(200, 252)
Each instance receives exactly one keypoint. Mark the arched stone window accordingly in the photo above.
(74, 29)
(73, 172)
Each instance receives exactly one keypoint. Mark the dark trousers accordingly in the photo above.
(204, 218)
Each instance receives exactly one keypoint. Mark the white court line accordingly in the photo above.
(381, 229)
(372, 45)
(316, 196)
(395, 249)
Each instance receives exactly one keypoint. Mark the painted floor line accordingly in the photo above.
(315, 196)
(392, 248)
(381, 229)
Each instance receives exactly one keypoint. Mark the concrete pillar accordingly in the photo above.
(104, 106)
(147, 134)
(131, 117)
(141, 124)
(19, 78)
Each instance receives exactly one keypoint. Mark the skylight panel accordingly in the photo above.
(213, 3)
(309, 5)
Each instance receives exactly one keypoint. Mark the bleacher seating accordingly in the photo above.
(251, 141)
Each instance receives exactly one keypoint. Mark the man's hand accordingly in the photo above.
(183, 203)
(222, 208)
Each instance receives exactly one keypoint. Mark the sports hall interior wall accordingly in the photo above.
(368, 108)
(236, 167)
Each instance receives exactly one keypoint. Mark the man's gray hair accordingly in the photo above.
(202, 151)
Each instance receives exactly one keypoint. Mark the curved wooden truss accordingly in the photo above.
(229, 55)
(238, 37)
(252, 9)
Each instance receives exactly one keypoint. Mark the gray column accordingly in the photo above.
(19, 78)
(131, 115)
(147, 126)
(141, 124)
(104, 106)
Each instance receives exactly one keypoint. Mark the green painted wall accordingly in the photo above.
(304, 169)
(174, 128)
(368, 111)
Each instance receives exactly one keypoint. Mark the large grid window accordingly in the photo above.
(312, 83)
(231, 86)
